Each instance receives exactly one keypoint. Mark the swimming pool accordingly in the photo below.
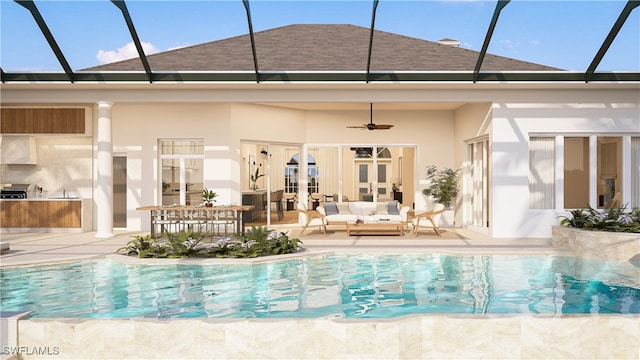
(326, 286)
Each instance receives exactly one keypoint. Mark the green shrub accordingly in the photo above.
(185, 243)
(614, 219)
(257, 241)
(141, 246)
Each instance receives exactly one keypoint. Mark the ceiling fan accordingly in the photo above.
(371, 125)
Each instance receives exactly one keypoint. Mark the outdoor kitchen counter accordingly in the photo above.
(45, 215)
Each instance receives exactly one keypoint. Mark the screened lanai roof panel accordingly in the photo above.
(187, 24)
(326, 36)
(624, 53)
(563, 34)
(27, 52)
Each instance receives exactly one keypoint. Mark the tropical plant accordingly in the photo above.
(614, 218)
(578, 218)
(257, 241)
(208, 196)
(185, 243)
(280, 243)
(141, 246)
(443, 185)
(255, 177)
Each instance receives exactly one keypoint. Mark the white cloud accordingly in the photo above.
(535, 42)
(123, 53)
(509, 44)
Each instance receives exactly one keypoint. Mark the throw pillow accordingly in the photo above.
(382, 208)
(330, 208)
(393, 208)
(343, 208)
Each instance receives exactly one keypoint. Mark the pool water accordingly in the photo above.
(329, 286)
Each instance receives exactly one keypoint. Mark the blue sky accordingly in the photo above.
(563, 34)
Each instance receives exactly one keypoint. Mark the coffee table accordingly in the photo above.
(375, 228)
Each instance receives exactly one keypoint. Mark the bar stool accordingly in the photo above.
(276, 199)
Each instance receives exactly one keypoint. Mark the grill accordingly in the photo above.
(15, 191)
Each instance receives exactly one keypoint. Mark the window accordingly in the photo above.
(603, 178)
(542, 175)
(576, 172)
(382, 173)
(363, 173)
(292, 174)
(182, 176)
(609, 170)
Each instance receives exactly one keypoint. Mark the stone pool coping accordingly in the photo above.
(619, 246)
(416, 336)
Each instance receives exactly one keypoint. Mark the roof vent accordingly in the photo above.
(450, 42)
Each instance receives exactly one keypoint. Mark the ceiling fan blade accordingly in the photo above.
(383, 127)
(357, 127)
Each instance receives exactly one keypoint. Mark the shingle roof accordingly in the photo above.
(322, 47)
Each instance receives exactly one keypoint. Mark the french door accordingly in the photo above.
(372, 179)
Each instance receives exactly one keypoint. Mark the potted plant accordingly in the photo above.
(255, 177)
(208, 196)
(443, 185)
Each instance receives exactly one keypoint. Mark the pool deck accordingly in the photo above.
(36, 248)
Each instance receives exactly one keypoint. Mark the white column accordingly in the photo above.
(593, 171)
(559, 173)
(104, 188)
(625, 186)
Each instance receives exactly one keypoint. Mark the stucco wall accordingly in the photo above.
(136, 130)
(518, 115)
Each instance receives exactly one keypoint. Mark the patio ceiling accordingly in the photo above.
(366, 75)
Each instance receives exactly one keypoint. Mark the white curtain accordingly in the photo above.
(327, 161)
(277, 163)
(635, 172)
(542, 175)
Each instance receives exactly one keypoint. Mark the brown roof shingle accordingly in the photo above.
(322, 47)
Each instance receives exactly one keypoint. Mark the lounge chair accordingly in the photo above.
(311, 217)
(429, 219)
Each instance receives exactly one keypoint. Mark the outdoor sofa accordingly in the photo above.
(351, 212)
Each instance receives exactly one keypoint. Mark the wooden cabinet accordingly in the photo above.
(42, 121)
(41, 213)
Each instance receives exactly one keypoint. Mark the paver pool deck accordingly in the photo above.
(34, 248)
